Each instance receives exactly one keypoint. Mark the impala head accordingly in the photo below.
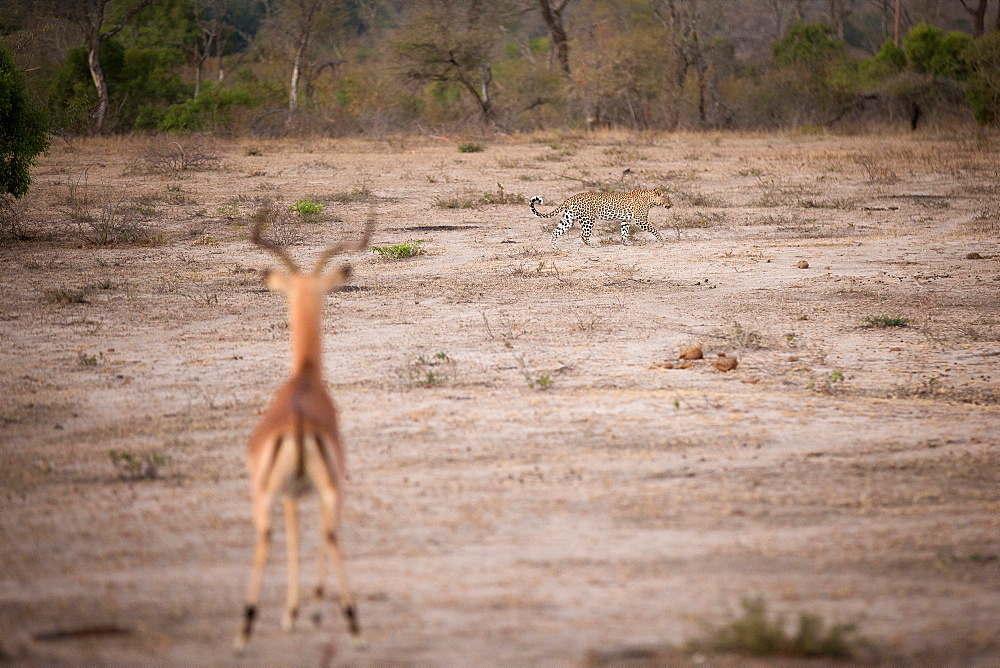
(297, 284)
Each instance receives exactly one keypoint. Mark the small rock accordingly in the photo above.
(724, 363)
(802, 264)
(692, 353)
(973, 256)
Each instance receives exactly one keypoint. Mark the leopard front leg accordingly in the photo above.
(564, 224)
(644, 224)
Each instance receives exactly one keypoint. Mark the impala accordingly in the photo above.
(296, 447)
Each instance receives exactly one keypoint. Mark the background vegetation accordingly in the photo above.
(340, 67)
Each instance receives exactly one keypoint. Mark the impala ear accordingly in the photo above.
(335, 278)
(276, 281)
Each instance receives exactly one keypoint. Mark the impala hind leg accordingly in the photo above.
(331, 514)
(319, 590)
(292, 532)
(262, 528)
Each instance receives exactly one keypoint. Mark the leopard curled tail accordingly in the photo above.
(538, 200)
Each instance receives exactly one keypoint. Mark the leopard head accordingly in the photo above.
(660, 198)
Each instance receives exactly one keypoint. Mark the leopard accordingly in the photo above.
(586, 208)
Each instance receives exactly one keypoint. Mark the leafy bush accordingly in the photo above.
(930, 51)
(813, 70)
(891, 55)
(210, 109)
(807, 44)
(141, 83)
(983, 89)
(921, 46)
(23, 129)
(950, 59)
(888, 61)
(470, 147)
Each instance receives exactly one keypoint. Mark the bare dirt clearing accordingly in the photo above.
(529, 482)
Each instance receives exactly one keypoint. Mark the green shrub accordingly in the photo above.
(211, 108)
(141, 83)
(807, 44)
(401, 251)
(884, 322)
(950, 59)
(23, 129)
(930, 51)
(921, 46)
(983, 91)
(755, 634)
(813, 72)
(888, 61)
(891, 55)
(306, 207)
(470, 147)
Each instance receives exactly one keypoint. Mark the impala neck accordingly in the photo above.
(305, 309)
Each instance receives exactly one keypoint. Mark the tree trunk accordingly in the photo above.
(553, 19)
(978, 15)
(681, 63)
(895, 31)
(800, 15)
(837, 17)
(97, 74)
(293, 96)
(779, 18)
(701, 67)
(885, 14)
(485, 102)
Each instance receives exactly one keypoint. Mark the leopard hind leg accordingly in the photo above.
(586, 229)
(564, 224)
(626, 228)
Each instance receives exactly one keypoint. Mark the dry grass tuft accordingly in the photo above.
(190, 153)
(987, 220)
(278, 221)
(876, 172)
(14, 220)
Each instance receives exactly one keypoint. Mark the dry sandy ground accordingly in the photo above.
(555, 494)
